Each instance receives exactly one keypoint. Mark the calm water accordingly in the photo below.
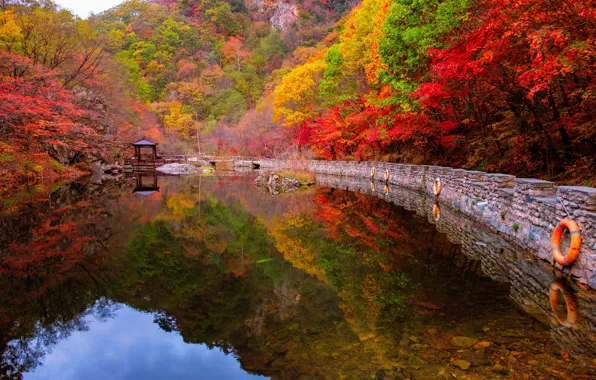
(210, 278)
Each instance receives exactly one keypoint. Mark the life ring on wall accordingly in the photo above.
(386, 175)
(372, 173)
(436, 212)
(553, 295)
(437, 186)
(372, 185)
(576, 242)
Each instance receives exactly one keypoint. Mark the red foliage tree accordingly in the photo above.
(36, 108)
(515, 81)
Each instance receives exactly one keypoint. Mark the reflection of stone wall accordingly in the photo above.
(524, 210)
(500, 260)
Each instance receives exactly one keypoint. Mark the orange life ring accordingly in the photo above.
(553, 294)
(386, 175)
(576, 242)
(372, 173)
(437, 186)
(436, 212)
(372, 185)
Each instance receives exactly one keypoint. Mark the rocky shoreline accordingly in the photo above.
(276, 183)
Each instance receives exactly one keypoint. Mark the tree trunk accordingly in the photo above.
(198, 139)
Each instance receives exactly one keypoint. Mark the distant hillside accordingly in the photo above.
(203, 65)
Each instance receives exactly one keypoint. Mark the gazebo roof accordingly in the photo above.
(144, 142)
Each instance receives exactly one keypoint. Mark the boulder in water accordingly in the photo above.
(178, 169)
(275, 183)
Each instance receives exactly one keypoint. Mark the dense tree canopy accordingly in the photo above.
(488, 85)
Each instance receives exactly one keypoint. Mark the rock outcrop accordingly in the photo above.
(284, 15)
(64, 154)
(276, 183)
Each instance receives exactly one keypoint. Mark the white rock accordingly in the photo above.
(177, 169)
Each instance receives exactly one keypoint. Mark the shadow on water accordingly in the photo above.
(342, 280)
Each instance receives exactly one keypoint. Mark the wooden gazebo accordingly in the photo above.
(141, 147)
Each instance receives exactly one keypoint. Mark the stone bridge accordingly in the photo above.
(235, 161)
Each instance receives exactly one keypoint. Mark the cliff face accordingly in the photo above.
(284, 15)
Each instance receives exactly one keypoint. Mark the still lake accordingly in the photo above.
(209, 277)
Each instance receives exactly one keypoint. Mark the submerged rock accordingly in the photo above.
(462, 364)
(275, 183)
(179, 169)
(463, 341)
(500, 369)
(477, 358)
(483, 344)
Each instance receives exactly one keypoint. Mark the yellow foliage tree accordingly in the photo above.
(295, 98)
(176, 119)
(359, 35)
(9, 30)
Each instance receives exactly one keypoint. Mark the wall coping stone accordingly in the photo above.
(591, 191)
(534, 182)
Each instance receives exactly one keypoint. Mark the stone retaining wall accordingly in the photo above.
(499, 259)
(522, 210)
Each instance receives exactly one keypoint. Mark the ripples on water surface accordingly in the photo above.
(211, 278)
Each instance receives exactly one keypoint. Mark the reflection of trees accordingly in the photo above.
(259, 311)
(158, 275)
(209, 270)
(173, 266)
(50, 264)
(349, 250)
(299, 239)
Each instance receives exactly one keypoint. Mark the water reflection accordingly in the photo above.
(570, 318)
(146, 184)
(529, 280)
(322, 283)
(130, 345)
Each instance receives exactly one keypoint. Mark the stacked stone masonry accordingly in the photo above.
(502, 261)
(522, 210)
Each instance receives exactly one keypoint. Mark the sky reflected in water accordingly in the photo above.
(131, 346)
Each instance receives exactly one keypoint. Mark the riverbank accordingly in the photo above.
(522, 210)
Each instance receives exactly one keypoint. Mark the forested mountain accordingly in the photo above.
(497, 85)
(178, 72)
(490, 85)
(203, 65)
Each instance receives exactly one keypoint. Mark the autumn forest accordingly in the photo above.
(496, 85)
